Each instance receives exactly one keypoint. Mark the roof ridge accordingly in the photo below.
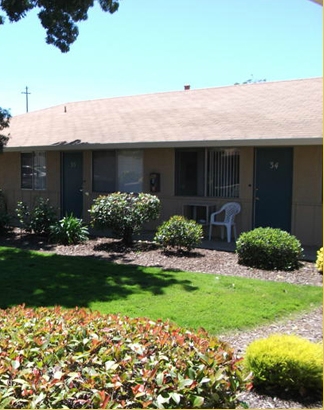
(150, 94)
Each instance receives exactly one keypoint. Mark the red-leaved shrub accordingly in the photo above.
(54, 358)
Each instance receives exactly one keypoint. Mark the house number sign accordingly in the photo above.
(73, 164)
(274, 165)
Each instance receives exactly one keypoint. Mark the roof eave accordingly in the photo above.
(176, 144)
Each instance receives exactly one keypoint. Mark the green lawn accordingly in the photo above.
(215, 302)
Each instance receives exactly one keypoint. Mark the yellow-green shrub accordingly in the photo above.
(319, 260)
(286, 364)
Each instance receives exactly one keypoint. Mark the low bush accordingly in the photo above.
(124, 213)
(286, 364)
(319, 260)
(69, 231)
(55, 358)
(179, 232)
(269, 249)
(39, 219)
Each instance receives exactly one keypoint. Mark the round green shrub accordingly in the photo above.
(69, 231)
(286, 364)
(179, 232)
(269, 249)
(319, 260)
(56, 358)
(124, 213)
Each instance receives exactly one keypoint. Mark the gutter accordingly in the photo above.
(257, 142)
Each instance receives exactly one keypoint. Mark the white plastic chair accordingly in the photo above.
(231, 209)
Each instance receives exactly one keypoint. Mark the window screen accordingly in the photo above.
(130, 171)
(189, 172)
(104, 171)
(117, 171)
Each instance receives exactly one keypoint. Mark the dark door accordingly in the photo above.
(72, 180)
(273, 187)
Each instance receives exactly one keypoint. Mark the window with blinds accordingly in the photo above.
(33, 170)
(223, 173)
(210, 172)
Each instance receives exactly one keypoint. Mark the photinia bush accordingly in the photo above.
(124, 213)
(55, 358)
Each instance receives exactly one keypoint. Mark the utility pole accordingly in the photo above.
(26, 93)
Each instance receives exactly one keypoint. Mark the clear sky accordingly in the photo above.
(157, 46)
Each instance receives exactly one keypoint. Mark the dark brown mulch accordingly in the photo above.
(148, 254)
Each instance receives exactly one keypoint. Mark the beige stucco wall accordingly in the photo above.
(307, 203)
(10, 181)
(307, 206)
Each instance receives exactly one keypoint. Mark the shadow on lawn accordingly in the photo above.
(49, 279)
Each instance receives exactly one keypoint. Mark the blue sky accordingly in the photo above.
(158, 46)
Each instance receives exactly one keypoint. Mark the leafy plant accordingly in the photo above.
(40, 219)
(269, 248)
(179, 232)
(286, 364)
(23, 214)
(5, 117)
(319, 260)
(55, 358)
(69, 230)
(59, 22)
(124, 213)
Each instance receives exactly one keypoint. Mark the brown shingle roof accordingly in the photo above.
(285, 112)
